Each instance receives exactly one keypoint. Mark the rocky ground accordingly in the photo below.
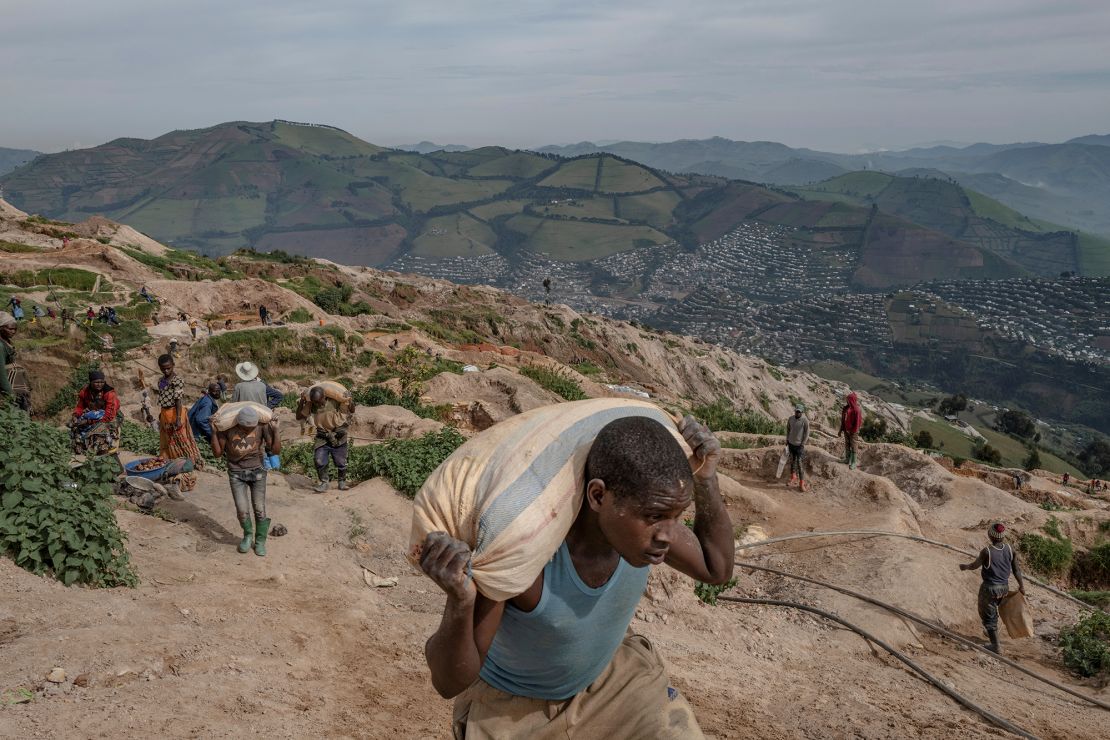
(299, 644)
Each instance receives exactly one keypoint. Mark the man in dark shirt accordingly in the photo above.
(997, 561)
(245, 444)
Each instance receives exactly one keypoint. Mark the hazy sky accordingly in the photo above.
(841, 75)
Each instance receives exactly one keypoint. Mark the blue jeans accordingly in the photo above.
(248, 488)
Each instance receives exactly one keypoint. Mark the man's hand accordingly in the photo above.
(445, 561)
(1021, 589)
(963, 566)
(706, 447)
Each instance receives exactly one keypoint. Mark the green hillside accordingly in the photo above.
(943, 205)
(321, 191)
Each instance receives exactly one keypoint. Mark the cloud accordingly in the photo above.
(811, 72)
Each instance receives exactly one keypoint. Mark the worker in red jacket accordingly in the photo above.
(851, 419)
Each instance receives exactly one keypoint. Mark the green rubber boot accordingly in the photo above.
(852, 461)
(248, 536)
(260, 537)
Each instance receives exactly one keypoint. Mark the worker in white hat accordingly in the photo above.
(252, 388)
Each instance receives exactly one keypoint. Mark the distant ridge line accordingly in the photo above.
(313, 125)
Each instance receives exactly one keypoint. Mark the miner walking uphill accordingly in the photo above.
(329, 406)
(558, 660)
(245, 445)
(996, 561)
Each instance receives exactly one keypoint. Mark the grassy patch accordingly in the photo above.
(13, 248)
(268, 348)
(299, 316)
(1101, 599)
(555, 381)
(722, 416)
(58, 277)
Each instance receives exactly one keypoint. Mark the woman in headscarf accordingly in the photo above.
(94, 427)
(13, 378)
(851, 420)
(174, 434)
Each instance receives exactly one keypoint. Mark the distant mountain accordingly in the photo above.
(484, 213)
(1073, 178)
(1094, 139)
(932, 199)
(427, 147)
(12, 158)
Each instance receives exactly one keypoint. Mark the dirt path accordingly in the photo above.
(216, 644)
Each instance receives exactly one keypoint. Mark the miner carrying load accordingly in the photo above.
(556, 659)
(329, 405)
(996, 561)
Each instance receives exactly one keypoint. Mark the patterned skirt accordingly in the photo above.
(175, 443)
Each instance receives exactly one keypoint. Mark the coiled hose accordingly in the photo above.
(954, 695)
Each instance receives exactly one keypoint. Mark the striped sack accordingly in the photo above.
(512, 492)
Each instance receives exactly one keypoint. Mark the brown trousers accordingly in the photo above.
(631, 700)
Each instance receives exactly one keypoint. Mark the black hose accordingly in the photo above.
(935, 627)
(957, 697)
(915, 538)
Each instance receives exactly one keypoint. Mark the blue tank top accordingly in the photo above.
(559, 648)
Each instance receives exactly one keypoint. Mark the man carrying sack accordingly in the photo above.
(330, 410)
(245, 445)
(557, 661)
(997, 561)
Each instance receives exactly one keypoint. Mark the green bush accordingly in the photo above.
(722, 416)
(299, 316)
(1047, 555)
(708, 593)
(1086, 646)
(555, 381)
(55, 519)
(924, 439)
(406, 463)
(873, 428)
(139, 439)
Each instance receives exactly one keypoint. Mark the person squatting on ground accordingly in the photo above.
(332, 419)
(245, 445)
(175, 437)
(559, 661)
(997, 560)
(95, 426)
(797, 434)
(851, 421)
(13, 378)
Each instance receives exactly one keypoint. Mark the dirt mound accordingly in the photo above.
(98, 226)
(7, 210)
(482, 399)
(229, 297)
(390, 422)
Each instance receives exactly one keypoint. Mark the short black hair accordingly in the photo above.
(637, 456)
(165, 360)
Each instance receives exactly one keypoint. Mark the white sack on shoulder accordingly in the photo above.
(512, 492)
